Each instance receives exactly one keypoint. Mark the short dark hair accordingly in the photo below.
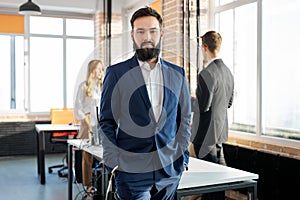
(143, 12)
(212, 40)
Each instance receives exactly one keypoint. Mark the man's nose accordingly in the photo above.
(147, 35)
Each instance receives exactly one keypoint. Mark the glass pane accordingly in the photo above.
(46, 25)
(245, 67)
(46, 74)
(5, 72)
(226, 31)
(225, 25)
(80, 27)
(222, 2)
(77, 60)
(239, 53)
(20, 72)
(280, 48)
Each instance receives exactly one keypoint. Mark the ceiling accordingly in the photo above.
(72, 6)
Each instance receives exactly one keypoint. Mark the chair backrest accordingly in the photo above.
(63, 116)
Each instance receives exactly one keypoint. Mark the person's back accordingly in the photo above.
(214, 93)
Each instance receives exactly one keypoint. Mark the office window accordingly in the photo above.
(79, 27)
(5, 72)
(77, 62)
(46, 73)
(56, 58)
(222, 2)
(260, 42)
(46, 25)
(280, 71)
(238, 29)
(12, 73)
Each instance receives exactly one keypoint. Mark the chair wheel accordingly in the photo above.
(50, 171)
(61, 174)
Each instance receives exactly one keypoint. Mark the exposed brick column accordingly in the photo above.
(172, 23)
(99, 34)
(100, 31)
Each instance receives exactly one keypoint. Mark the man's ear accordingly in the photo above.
(162, 33)
(131, 35)
(204, 47)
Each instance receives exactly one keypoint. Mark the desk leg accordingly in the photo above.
(252, 192)
(38, 153)
(70, 177)
(42, 157)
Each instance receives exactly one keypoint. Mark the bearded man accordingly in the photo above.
(145, 116)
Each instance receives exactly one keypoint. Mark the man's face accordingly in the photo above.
(146, 37)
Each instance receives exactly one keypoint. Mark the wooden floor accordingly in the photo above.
(19, 180)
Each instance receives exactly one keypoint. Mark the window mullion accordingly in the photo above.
(12, 73)
(64, 63)
(259, 118)
(27, 65)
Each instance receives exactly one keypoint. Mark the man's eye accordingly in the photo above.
(141, 32)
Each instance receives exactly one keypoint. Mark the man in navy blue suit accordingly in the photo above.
(145, 116)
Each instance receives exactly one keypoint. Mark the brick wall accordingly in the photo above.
(101, 41)
(180, 41)
(263, 147)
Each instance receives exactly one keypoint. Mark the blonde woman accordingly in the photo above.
(85, 110)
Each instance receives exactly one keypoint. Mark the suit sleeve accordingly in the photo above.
(204, 91)
(184, 129)
(231, 100)
(108, 122)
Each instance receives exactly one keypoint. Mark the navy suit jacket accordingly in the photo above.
(131, 137)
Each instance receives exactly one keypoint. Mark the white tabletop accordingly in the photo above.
(200, 173)
(56, 127)
(84, 144)
(203, 173)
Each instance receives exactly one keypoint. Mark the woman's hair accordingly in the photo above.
(92, 66)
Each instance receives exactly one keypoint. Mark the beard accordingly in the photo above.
(146, 54)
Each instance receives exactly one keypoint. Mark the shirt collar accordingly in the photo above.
(146, 66)
(208, 63)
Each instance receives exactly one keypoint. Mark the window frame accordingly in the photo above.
(26, 110)
(64, 37)
(258, 136)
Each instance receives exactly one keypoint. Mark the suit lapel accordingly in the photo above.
(167, 81)
(140, 82)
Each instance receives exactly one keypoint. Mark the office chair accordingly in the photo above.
(61, 116)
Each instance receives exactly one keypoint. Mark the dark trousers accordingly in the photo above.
(216, 155)
(155, 185)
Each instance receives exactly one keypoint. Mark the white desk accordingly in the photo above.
(201, 177)
(205, 177)
(41, 129)
(96, 151)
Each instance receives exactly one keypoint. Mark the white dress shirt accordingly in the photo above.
(84, 104)
(155, 86)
